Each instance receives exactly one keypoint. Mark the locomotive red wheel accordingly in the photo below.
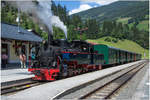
(70, 73)
(99, 67)
(84, 70)
(75, 73)
(79, 71)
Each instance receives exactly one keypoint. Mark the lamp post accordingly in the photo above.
(18, 20)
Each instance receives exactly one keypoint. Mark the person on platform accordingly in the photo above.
(4, 60)
(22, 60)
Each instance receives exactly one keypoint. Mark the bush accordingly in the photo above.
(115, 40)
(107, 39)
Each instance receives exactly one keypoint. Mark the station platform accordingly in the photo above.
(8, 75)
(142, 90)
(49, 90)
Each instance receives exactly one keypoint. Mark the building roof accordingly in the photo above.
(11, 32)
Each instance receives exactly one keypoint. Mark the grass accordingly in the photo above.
(146, 16)
(131, 25)
(100, 15)
(143, 25)
(123, 44)
(124, 20)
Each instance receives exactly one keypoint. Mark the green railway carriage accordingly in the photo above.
(111, 54)
(128, 57)
(102, 49)
(107, 55)
(131, 56)
(114, 55)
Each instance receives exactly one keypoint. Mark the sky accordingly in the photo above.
(75, 6)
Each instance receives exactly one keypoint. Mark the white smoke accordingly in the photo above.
(41, 14)
(58, 23)
(45, 14)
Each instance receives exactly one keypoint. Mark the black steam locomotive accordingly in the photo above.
(59, 58)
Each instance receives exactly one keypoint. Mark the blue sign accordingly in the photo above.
(66, 56)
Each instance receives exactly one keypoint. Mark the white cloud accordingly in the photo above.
(104, 2)
(81, 8)
(95, 6)
(100, 2)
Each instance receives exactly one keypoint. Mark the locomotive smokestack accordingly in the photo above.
(50, 38)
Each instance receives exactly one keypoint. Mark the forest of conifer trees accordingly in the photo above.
(95, 30)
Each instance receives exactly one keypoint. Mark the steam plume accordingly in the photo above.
(41, 14)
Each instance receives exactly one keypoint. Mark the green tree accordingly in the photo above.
(125, 31)
(76, 20)
(93, 28)
(58, 33)
(37, 29)
(107, 28)
(72, 34)
(44, 35)
(120, 31)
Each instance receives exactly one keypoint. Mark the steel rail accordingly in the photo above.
(19, 86)
(106, 91)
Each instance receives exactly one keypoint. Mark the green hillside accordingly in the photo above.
(142, 25)
(124, 20)
(123, 44)
(134, 9)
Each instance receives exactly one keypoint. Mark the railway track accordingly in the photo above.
(110, 89)
(103, 87)
(13, 88)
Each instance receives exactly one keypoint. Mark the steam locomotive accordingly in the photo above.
(59, 58)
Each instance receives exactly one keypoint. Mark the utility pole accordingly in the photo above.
(18, 20)
(81, 30)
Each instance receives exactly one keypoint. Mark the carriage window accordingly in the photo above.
(98, 59)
